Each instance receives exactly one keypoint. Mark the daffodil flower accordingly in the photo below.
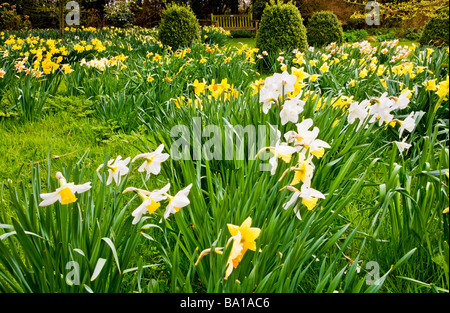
(281, 150)
(279, 83)
(177, 202)
(307, 139)
(233, 259)
(116, 169)
(309, 197)
(358, 111)
(199, 87)
(150, 201)
(409, 123)
(300, 74)
(430, 84)
(442, 89)
(303, 170)
(403, 100)
(324, 68)
(65, 194)
(381, 110)
(243, 238)
(267, 97)
(248, 234)
(153, 160)
(402, 145)
(292, 107)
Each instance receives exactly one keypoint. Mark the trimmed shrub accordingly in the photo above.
(324, 28)
(435, 32)
(281, 29)
(179, 27)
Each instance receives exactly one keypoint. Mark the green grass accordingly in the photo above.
(67, 136)
(237, 42)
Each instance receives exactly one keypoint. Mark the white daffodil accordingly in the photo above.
(291, 109)
(409, 123)
(303, 134)
(150, 201)
(279, 83)
(403, 100)
(358, 110)
(178, 201)
(402, 145)
(65, 194)
(317, 148)
(267, 97)
(307, 139)
(274, 86)
(280, 150)
(116, 169)
(153, 160)
(381, 110)
(309, 197)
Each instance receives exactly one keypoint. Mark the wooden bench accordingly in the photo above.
(235, 22)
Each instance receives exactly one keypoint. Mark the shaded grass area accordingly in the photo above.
(63, 137)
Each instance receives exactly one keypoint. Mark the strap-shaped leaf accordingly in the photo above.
(98, 268)
(113, 249)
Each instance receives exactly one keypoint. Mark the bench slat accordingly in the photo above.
(233, 22)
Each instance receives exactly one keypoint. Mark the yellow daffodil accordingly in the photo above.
(312, 62)
(442, 89)
(430, 84)
(248, 233)
(314, 77)
(324, 68)
(300, 74)
(244, 237)
(363, 73)
(67, 69)
(199, 87)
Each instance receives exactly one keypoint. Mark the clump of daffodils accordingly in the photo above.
(117, 168)
(284, 90)
(151, 201)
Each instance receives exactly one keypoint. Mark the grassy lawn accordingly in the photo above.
(237, 42)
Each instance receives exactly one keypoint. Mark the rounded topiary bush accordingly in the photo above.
(435, 32)
(281, 29)
(179, 27)
(324, 28)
